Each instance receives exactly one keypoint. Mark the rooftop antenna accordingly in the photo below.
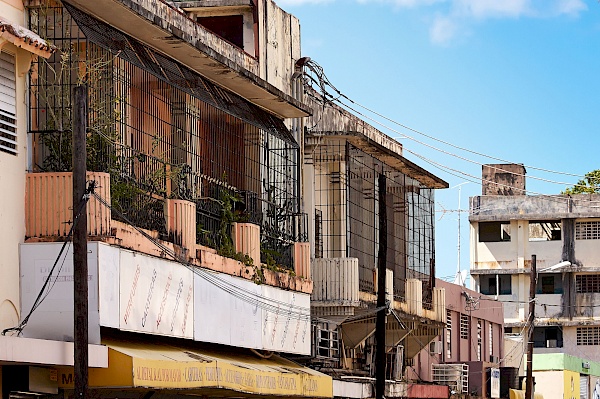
(460, 278)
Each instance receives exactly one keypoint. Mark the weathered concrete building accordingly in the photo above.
(345, 159)
(506, 230)
(470, 346)
(199, 267)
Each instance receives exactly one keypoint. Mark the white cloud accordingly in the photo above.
(453, 17)
(443, 30)
(283, 3)
(571, 7)
(482, 9)
(405, 3)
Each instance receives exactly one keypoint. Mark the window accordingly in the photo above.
(448, 334)
(588, 335)
(479, 346)
(587, 283)
(318, 233)
(544, 230)
(548, 337)
(229, 27)
(587, 230)
(488, 284)
(549, 284)
(494, 231)
(464, 326)
(8, 110)
(491, 338)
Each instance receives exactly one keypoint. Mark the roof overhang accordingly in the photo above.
(24, 38)
(391, 158)
(30, 351)
(171, 32)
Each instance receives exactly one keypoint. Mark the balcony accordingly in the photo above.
(133, 291)
(180, 36)
(181, 158)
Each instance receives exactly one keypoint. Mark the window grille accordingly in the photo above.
(8, 110)
(587, 283)
(588, 335)
(491, 338)
(163, 131)
(326, 345)
(587, 230)
(347, 194)
(318, 233)
(448, 334)
(479, 346)
(464, 326)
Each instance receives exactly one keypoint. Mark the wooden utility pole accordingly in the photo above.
(80, 266)
(530, 321)
(380, 354)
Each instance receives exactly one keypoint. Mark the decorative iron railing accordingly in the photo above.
(162, 131)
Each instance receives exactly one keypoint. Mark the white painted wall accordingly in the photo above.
(12, 179)
(515, 253)
(136, 292)
(587, 252)
(570, 347)
(551, 384)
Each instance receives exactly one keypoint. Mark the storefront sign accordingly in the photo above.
(160, 374)
(495, 383)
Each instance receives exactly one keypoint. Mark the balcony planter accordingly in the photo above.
(49, 204)
(246, 239)
(180, 217)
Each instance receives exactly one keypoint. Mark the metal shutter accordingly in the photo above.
(8, 109)
(583, 386)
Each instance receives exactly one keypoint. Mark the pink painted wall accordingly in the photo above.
(488, 311)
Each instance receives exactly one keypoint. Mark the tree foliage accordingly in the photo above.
(588, 185)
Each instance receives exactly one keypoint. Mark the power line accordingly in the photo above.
(324, 81)
(43, 294)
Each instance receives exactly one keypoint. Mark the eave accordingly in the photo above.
(171, 32)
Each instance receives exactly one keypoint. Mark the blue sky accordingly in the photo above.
(516, 80)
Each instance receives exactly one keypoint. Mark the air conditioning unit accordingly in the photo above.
(395, 363)
(551, 343)
(456, 376)
(435, 347)
(585, 365)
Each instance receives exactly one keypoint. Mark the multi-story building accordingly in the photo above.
(19, 47)
(199, 265)
(470, 346)
(354, 172)
(507, 228)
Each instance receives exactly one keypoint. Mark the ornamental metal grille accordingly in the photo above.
(448, 334)
(588, 335)
(587, 230)
(464, 326)
(587, 283)
(346, 194)
(163, 131)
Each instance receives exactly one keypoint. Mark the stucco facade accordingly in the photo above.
(473, 336)
(560, 230)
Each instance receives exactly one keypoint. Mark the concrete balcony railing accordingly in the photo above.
(49, 205)
(336, 285)
(49, 215)
(180, 217)
(336, 281)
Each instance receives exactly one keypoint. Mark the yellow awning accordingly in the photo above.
(520, 394)
(160, 366)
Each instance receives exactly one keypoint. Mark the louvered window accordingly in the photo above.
(8, 111)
